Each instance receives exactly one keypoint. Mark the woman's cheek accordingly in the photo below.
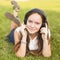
(38, 27)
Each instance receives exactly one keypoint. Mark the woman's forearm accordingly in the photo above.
(46, 48)
(22, 50)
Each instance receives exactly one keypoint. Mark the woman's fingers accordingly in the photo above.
(23, 30)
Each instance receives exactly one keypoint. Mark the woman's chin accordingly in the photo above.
(31, 32)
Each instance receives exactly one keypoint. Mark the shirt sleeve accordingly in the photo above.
(20, 28)
(17, 29)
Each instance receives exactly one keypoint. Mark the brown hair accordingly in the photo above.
(40, 40)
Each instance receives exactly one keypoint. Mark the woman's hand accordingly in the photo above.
(43, 31)
(23, 30)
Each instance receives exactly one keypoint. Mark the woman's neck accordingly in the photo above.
(32, 36)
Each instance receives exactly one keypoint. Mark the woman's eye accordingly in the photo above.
(37, 23)
(30, 21)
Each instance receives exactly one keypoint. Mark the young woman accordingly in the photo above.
(33, 37)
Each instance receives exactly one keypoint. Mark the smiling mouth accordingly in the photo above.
(31, 29)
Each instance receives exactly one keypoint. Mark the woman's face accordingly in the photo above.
(34, 23)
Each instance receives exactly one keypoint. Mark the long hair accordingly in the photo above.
(44, 20)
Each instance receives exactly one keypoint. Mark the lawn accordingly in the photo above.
(52, 11)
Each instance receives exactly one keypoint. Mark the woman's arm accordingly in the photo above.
(22, 49)
(46, 51)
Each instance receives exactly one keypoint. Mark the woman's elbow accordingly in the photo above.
(47, 54)
(20, 55)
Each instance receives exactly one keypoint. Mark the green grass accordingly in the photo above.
(52, 10)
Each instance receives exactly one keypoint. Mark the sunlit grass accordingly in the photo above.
(42, 4)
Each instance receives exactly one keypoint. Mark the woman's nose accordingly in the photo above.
(32, 25)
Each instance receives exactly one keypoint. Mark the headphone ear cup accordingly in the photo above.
(24, 21)
(43, 25)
